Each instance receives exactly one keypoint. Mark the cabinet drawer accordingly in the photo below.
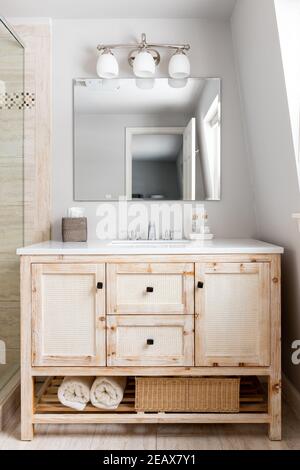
(150, 340)
(159, 288)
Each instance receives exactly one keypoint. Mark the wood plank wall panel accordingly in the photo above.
(11, 191)
(37, 148)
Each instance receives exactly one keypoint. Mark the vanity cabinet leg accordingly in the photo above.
(274, 410)
(27, 403)
(275, 375)
(27, 381)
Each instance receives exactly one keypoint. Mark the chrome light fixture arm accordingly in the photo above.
(143, 45)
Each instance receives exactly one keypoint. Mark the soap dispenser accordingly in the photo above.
(151, 231)
(200, 229)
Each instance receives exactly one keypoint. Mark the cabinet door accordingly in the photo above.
(154, 288)
(232, 326)
(68, 324)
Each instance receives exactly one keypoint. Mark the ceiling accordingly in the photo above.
(156, 147)
(210, 9)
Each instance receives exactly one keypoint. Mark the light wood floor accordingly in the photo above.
(153, 437)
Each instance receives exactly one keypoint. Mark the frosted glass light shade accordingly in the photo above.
(111, 84)
(107, 66)
(145, 83)
(179, 66)
(177, 82)
(144, 65)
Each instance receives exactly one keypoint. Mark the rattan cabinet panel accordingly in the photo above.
(232, 314)
(68, 314)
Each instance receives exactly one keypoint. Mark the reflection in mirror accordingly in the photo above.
(156, 166)
(159, 143)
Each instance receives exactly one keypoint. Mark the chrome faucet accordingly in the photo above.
(135, 235)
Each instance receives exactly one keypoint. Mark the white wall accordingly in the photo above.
(74, 55)
(271, 150)
(288, 19)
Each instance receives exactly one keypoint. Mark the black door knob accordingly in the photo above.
(149, 289)
(99, 285)
(150, 341)
(200, 285)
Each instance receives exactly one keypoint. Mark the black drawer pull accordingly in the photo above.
(149, 289)
(99, 285)
(150, 341)
(200, 285)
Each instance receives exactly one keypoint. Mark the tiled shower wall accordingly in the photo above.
(11, 188)
(25, 183)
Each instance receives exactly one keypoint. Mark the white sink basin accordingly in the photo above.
(149, 243)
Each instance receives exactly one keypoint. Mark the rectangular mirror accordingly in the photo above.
(147, 139)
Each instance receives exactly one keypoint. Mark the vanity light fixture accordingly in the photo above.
(179, 65)
(143, 58)
(144, 64)
(107, 64)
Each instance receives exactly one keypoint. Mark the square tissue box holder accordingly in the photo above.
(74, 229)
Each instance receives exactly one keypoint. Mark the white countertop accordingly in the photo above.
(216, 246)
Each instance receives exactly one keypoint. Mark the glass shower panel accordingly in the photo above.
(12, 103)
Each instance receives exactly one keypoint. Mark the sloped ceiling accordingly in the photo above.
(211, 9)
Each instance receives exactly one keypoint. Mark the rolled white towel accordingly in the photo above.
(108, 392)
(74, 392)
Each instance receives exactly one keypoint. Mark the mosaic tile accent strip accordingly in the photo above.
(17, 100)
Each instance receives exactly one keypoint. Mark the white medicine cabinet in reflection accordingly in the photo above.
(147, 143)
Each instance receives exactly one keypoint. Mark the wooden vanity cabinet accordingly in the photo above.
(151, 315)
(152, 302)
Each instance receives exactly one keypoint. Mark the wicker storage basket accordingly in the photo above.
(205, 395)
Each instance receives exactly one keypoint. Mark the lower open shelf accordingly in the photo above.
(253, 407)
